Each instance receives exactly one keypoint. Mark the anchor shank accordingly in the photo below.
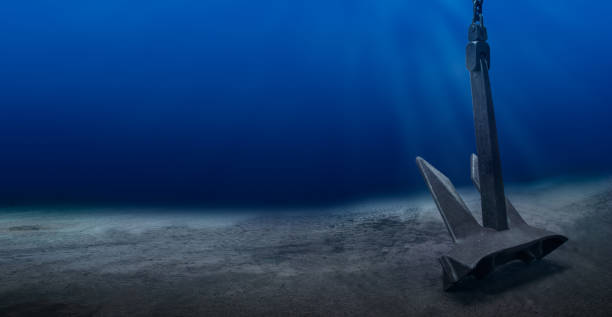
(489, 164)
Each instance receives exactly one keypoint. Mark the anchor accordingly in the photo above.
(504, 235)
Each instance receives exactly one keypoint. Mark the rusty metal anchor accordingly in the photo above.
(504, 235)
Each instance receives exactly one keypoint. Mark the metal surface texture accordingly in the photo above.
(504, 235)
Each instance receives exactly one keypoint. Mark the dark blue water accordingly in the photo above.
(247, 102)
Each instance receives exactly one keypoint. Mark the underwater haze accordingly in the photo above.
(289, 102)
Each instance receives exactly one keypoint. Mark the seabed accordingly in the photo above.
(372, 258)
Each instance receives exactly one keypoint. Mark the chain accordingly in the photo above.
(478, 12)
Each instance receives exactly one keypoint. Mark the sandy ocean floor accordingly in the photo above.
(370, 258)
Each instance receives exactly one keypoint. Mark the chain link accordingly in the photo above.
(478, 12)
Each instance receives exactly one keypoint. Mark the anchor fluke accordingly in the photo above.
(457, 217)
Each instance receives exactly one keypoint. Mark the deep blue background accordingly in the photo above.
(244, 102)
